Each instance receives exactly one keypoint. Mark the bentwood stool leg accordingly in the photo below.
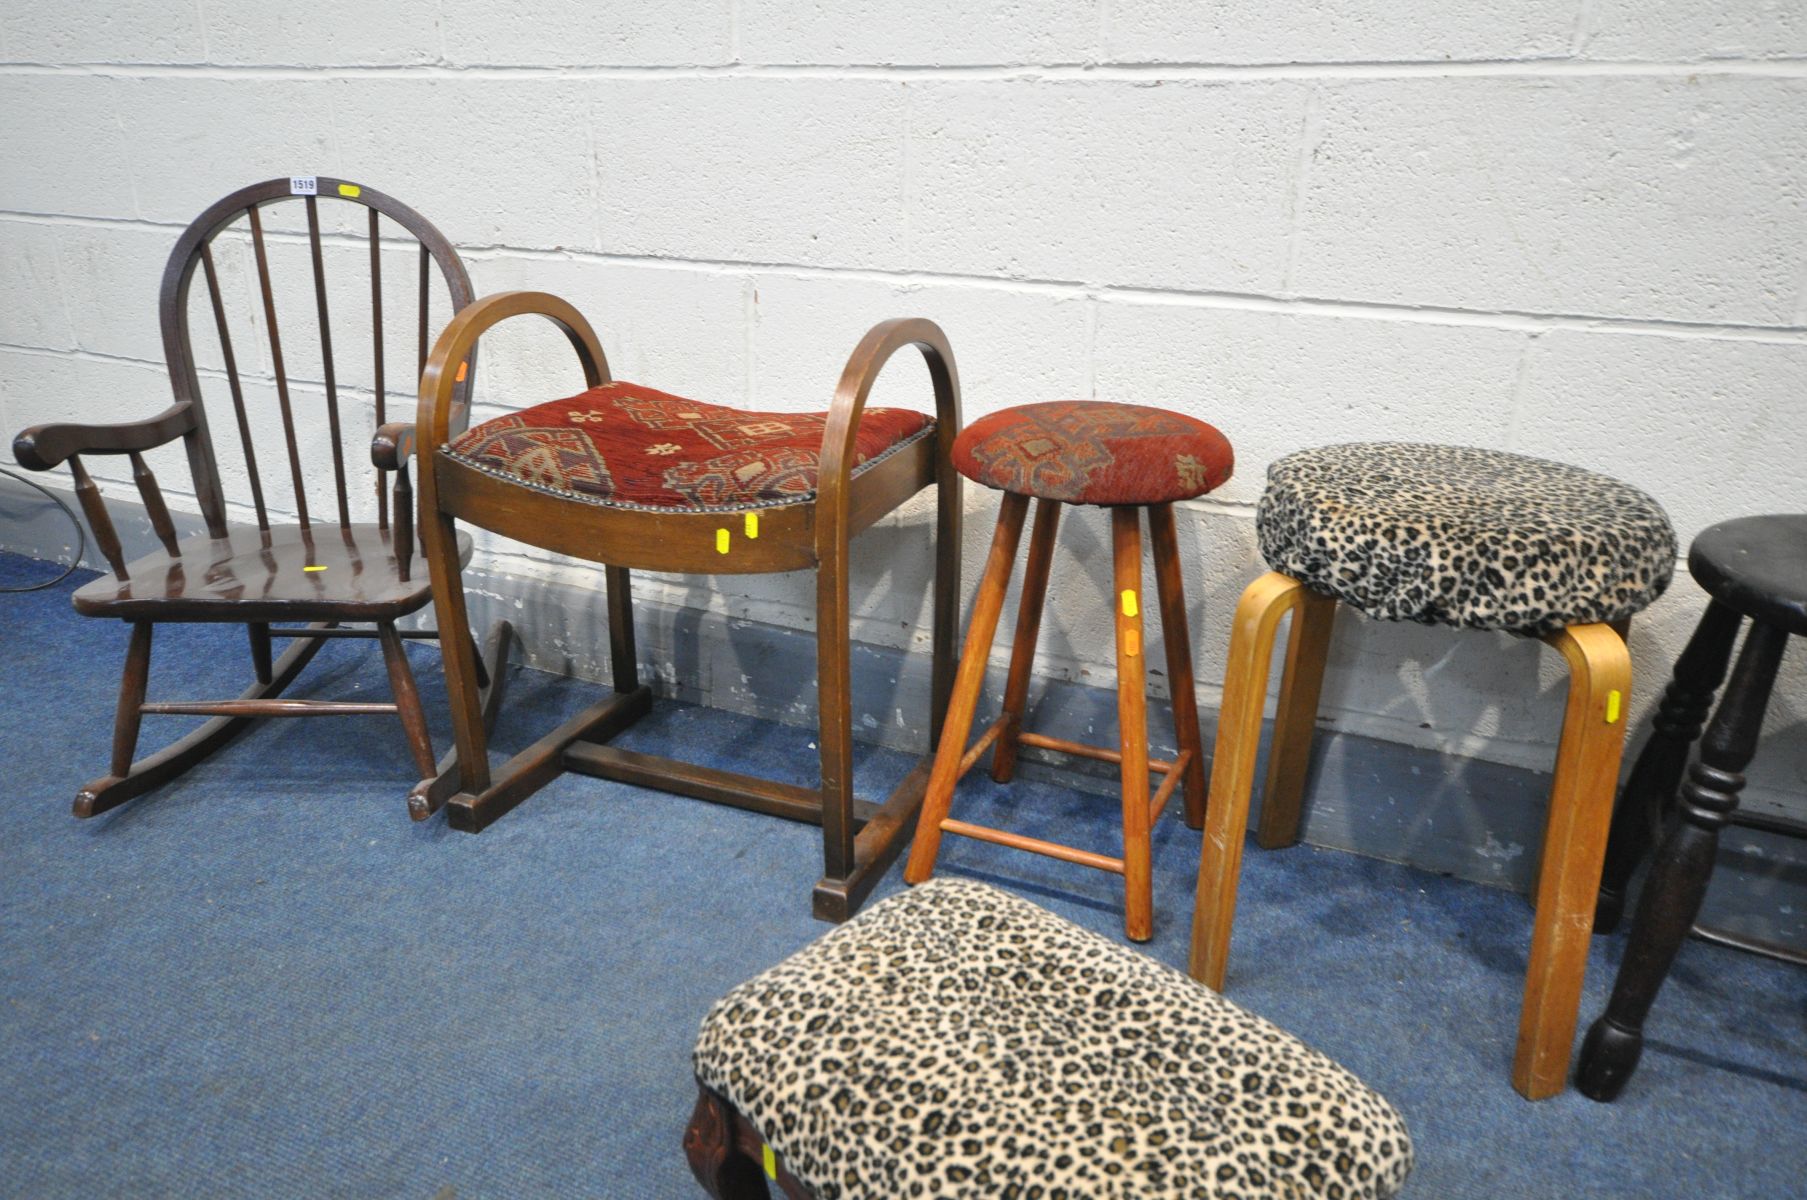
(967, 685)
(1678, 877)
(1132, 724)
(1587, 774)
(1252, 631)
(1648, 792)
(1295, 720)
(1182, 689)
(1022, 648)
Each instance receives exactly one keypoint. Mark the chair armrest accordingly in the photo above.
(45, 446)
(393, 445)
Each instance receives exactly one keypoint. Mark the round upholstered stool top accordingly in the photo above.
(1757, 565)
(1454, 535)
(959, 1041)
(1094, 452)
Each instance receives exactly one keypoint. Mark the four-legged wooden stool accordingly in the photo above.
(1125, 457)
(1454, 536)
(1755, 567)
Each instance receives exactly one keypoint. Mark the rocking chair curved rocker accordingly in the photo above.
(640, 480)
(325, 570)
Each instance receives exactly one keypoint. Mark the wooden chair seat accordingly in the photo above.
(287, 573)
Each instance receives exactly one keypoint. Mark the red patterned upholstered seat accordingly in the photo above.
(629, 446)
(1094, 452)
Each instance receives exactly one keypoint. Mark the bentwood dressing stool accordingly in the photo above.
(1453, 536)
(638, 479)
(1756, 568)
(1125, 457)
(958, 1041)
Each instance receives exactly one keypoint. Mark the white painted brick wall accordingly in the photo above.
(1575, 228)
(1173, 31)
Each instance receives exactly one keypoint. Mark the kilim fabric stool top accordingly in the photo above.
(1126, 457)
(626, 446)
(1456, 536)
(956, 1041)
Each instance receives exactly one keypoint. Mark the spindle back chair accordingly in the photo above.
(323, 568)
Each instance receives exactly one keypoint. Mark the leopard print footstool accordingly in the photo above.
(958, 1041)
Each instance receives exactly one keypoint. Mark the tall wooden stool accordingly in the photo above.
(1444, 535)
(1125, 457)
(1754, 567)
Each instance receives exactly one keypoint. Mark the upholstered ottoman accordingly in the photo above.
(1442, 535)
(958, 1041)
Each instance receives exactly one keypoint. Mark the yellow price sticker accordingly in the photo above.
(1129, 602)
(752, 525)
(350, 191)
(1613, 700)
(313, 568)
(1132, 643)
(721, 541)
(771, 1163)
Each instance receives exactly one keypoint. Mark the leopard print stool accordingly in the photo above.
(957, 1041)
(1456, 536)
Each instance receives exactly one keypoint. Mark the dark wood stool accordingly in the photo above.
(1128, 458)
(1754, 567)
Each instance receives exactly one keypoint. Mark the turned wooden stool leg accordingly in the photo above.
(1181, 687)
(1678, 877)
(1574, 846)
(1645, 800)
(1132, 724)
(1022, 649)
(967, 684)
(1252, 630)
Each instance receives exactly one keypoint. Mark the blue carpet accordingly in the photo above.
(264, 980)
